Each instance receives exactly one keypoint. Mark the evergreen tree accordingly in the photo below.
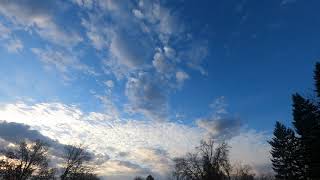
(306, 121)
(305, 115)
(315, 132)
(284, 149)
(150, 178)
(316, 78)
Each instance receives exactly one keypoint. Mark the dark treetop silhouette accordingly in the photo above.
(295, 154)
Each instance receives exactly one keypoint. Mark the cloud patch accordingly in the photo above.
(37, 16)
(147, 145)
(63, 61)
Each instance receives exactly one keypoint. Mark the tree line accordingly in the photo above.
(296, 152)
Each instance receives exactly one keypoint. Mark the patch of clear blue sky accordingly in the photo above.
(260, 52)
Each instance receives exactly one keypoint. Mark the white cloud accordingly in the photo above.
(251, 148)
(149, 145)
(96, 32)
(162, 64)
(220, 128)
(36, 16)
(11, 43)
(109, 83)
(169, 52)
(146, 96)
(144, 37)
(145, 145)
(14, 45)
(61, 60)
(219, 106)
(129, 51)
(181, 76)
(137, 13)
(4, 31)
(68, 124)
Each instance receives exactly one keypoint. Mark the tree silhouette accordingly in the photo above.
(206, 164)
(285, 148)
(28, 161)
(306, 120)
(74, 166)
(242, 172)
(298, 157)
(149, 178)
(138, 178)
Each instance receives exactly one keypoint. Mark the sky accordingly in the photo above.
(142, 82)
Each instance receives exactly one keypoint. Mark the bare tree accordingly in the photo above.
(242, 172)
(28, 161)
(265, 177)
(208, 162)
(74, 166)
(138, 178)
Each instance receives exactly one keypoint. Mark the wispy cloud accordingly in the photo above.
(11, 43)
(61, 60)
(37, 16)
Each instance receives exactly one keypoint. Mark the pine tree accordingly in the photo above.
(315, 131)
(150, 178)
(316, 78)
(305, 115)
(284, 151)
(306, 121)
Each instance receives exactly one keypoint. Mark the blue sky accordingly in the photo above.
(186, 69)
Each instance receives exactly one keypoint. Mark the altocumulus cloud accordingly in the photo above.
(125, 40)
(127, 146)
(144, 44)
